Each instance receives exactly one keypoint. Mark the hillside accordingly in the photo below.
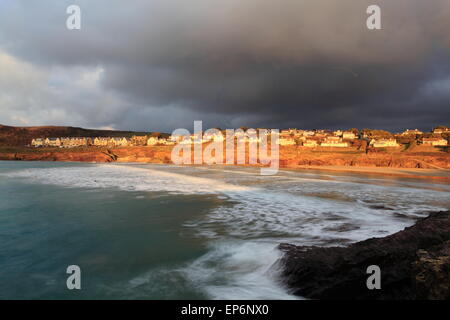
(20, 136)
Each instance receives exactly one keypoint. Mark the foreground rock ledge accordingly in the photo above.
(414, 263)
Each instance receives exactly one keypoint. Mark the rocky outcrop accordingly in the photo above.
(431, 273)
(110, 154)
(414, 263)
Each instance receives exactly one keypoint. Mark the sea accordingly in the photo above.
(149, 231)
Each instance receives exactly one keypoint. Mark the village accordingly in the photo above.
(377, 139)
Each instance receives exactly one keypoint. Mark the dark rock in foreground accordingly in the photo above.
(414, 263)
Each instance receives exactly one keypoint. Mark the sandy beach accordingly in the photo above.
(440, 174)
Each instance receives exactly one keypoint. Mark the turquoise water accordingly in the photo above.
(166, 232)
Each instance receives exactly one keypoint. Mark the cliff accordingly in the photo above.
(290, 157)
(88, 154)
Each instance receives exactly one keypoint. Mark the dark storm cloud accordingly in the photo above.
(255, 62)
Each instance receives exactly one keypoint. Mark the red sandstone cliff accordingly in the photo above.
(290, 157)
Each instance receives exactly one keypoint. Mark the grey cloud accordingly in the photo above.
(300, 63)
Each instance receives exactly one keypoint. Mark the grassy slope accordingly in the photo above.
(20, 136)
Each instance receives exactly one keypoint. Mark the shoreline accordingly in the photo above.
(441, 175)
(412, 173)
(432, 166)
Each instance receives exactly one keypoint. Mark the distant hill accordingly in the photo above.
(20, 136)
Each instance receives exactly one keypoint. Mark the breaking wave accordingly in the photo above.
(256, 214)
(127, 178)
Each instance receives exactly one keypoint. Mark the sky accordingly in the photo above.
(159, 65)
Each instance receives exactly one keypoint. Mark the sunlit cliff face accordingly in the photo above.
(164, 64)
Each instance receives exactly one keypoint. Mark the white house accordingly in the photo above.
(435, 142)
(52, 142)
(334, 142)
(384, 143)
(38, 142)
(286, 141)
(348, 135)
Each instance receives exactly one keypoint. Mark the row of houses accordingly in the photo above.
(72, 142)
(354, 133)
(296, 133)
(329, 141)
(338, 142)
(437, 130)
(315, 138)
(345, 139)
(288, 137)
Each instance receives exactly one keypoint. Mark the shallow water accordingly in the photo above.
(141, 231)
